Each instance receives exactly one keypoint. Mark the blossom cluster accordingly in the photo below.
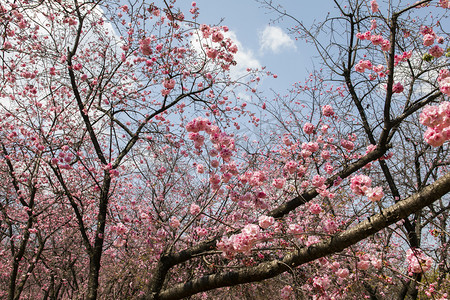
(361, 185)
(429, 38)
(226, 49)
(437, 119)
(241, 242)
(377, 40)
(418, 261)
(223, 143)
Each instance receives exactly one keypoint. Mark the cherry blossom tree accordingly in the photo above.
(133, 169)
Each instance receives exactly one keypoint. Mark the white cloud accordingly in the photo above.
(274, 39)
(245, 58)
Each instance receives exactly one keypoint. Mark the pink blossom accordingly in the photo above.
(226, 154)
(251, 230)
(169, 83)
(217, 36)
(363, 264)
(286, 292)
(214, 179)
(214, 163)
(318, 181)
(174, 222)
(330, 226)
(370, 148)
(312, 240)
(291, 166)
(342, 273)
(377, 263)
(206, 30)
(444, 3)
(436, 51)
(397, 88)
(428, 39)
(308, 128)
(234, 49)
(434, 137)
(443, 73)
(321, 282)
(327, 110)
(385, 45)
(295, 229)
(359, 184)
(430, 116)
(279, 182)
(200, 169)
(325, 154)
(444, 86)
(311, 146)
(374, 194)
(121, 228)
(362, 65)
(376, 39)
(201, 231)
(373, 24)
(265, 221)
(378, 68)
(349, 145)
(144, 46)
(374, 6)
(315, 209)
(194, 209)
(211, 53)
(286, 140)
(418, 262)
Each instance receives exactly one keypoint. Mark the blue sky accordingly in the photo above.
(263, 42)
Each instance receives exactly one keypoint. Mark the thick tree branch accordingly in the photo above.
(336, 244)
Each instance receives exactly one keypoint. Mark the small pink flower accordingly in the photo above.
(397, 88)
(211, 53)
(169, 83)
(295, 229)
(363, 264)
(327, 110)
(217, 37)
(291, 166)
(436, 51)
(418, 262)
(434, 137)
(315, 209)
(214, 163)
(200, 169)
(428, 39)
(376, 39)
(342, 273)
(308, 128)
(279, 182)
(318, 181)
(444, 86)
(194, 209)
(174, 222)
(385, 45)
(374, 6)
(360, 183)
(374, 194)
(286, 292)
(265, 221)
(430, 116)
